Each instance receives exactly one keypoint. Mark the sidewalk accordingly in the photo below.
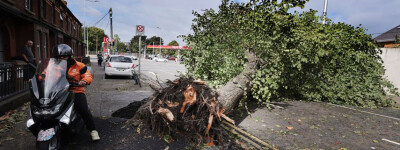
(312, 125)
(302, 125)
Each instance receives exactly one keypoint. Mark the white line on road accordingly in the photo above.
(367, 112)
(390, 141)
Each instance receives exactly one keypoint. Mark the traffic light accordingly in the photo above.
(113, 42)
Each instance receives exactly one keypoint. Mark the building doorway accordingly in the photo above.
(4, 44)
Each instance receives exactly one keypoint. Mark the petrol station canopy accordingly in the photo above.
(169, 47)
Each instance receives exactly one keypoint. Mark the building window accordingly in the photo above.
(38, 45)
(45, 51)
(43, 9)
(67, 23)
(74, 32)
(28, 4)
(53, 15)
(61, 21)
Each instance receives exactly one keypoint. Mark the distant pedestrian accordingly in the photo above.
(99, 59)
(29, 58)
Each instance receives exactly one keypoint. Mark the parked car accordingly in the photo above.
(105, 60)
(160, 59)
(119, 66)
(172, 58)
(149, 57)
(133, 57)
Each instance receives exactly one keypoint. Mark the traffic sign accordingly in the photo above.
(140, 30)
(106, 40)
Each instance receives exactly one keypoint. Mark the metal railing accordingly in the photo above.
(85, 60)
(12, 79)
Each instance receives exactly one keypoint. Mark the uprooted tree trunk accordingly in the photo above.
(230, 94)
(189, 106)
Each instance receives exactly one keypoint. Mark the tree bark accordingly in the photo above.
(232, 92)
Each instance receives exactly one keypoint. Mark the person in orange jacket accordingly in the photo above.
(65, 52)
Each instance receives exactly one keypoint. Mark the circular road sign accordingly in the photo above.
(140, 28)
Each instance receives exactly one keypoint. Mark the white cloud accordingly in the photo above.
(91, 11)
(376, 16)
(174, 17)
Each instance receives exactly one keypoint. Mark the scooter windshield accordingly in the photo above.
(53, 78)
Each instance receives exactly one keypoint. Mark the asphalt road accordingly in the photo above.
(104, 97)
(164, 70)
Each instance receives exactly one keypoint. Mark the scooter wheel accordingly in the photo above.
(42, 145)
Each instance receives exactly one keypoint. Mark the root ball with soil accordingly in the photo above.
(186, 108)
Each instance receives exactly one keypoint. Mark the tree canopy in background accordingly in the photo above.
(94, 33)
(297, 56)
(173, 52)
(119, 45)
(134, 43)
(154, 40)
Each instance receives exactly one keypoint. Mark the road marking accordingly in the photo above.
(366, 112)
(390, 141)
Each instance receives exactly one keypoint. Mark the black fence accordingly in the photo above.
(13, 79)
(85, 60)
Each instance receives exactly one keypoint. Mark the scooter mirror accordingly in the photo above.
(83, 70)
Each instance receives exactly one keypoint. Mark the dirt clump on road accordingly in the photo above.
(129, 111)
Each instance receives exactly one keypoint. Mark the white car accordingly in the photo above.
(133, 57)
(119, 66)
(160, 59)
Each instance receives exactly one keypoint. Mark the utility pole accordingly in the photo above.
(111, 36)
(144, 50)
(84, 27)
(87, 41)
(160, 46)
(116, 45)
(96, 45)
(324, 13)
(160, 40)
(140, 47)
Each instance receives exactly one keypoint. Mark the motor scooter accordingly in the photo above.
(53, 118)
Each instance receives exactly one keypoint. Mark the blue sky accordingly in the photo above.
(174, 17)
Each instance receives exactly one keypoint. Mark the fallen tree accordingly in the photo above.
(189, 106)
(296, 57)
(258, 49)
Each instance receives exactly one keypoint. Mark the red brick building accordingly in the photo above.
(45, 22)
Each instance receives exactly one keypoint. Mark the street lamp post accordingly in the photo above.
(325, 11)
(86, 32)
(160, 40)
(84, 22)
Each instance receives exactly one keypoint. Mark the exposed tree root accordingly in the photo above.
(186, 108)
